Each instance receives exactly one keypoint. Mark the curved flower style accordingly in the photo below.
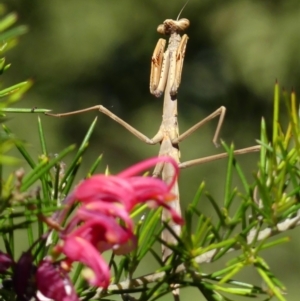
(105, 200)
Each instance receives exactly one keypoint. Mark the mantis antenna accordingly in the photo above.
(182, 9)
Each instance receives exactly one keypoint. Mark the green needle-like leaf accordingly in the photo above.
(276, 112)
(43, 167)
(12, 89)
(8, 21)
(42, 137)
(228, 182)
(24, 110)
(79, 153)
(21, 148)
(275, 290)
(13, 33)
(94, 166)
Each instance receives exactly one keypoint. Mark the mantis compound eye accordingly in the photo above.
(161, 29)
(183, 23)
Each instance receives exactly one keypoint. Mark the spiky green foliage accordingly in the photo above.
(247, 216)
(247, 219)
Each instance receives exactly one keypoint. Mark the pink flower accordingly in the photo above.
(5, 262)
(45, 282)
(105, 200)
(53, 283)
(23, 275)
(129, 190)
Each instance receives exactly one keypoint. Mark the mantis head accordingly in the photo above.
(170, 26)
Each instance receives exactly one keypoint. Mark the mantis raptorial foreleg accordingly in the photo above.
(180, 53)
(157, 65)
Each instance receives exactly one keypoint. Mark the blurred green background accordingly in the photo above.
(84, 53)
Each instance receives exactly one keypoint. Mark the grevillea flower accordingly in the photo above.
(105, 200)
(5, 262)
(53, 283)
(45, 282)
(23, 276)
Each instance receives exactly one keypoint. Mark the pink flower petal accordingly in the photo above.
(78, 249)
(142, 166)
(103, 233)
(105, 188)
(103, 222)
(100, 208)
(5, 262)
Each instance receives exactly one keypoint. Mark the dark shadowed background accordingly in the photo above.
(84, 53)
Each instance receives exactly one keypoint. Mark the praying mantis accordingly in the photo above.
(165, 78)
